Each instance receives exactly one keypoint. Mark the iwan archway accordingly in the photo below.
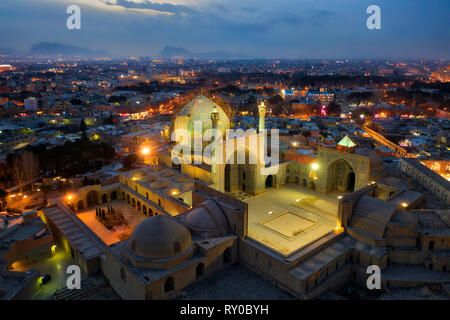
(341, 171)
(341, 176)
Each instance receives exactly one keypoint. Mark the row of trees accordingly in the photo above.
(72, 158)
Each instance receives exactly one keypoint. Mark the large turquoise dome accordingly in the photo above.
(200, 109)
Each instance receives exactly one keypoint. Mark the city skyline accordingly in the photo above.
(248, 29)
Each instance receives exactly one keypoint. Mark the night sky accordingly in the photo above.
(255, 28)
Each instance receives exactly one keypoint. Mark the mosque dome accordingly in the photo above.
(207, 219)
(347, 142)
(200, 109)
(159, 237)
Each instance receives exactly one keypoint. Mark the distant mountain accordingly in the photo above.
(58, 49)
(8, 51)
(172, 52)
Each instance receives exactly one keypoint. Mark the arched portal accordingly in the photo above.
(303, 182)
(341, 176)
(144, 209)
(431, 245)
(227, 257)
(351, 182)
(128, 199)
(80, 205)
(92, 197)
(239, 172)
(133, 203)
(104, 198)
(139, 206)
(200, 270)
(269, 181)
(169, 285)
(113, 195)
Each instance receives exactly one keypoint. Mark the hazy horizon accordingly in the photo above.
(287, 29)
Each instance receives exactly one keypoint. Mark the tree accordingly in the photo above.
(25, 168)
(275, 100)
(30, 166)
(109, 120)
(17, 173)
(83, 126)
(252, 105)
(334, 109)
(3, 195)
(130, 160)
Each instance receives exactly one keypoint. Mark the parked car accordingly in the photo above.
(45, 278)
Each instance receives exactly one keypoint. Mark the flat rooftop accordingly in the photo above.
(290, 217)
(75, 231)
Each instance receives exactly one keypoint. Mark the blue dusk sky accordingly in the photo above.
(255, 28)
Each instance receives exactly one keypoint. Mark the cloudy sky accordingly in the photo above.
(256, 28)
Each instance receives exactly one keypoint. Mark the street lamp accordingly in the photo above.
(145, 151)
(315, 166)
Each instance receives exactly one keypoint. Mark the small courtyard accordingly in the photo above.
(117, 233)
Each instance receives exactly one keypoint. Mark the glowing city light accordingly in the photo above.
(315, 166)
(404, 204)
(145, 150)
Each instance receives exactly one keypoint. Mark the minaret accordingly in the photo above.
(262, 115)
(216, 173)
(215, 118)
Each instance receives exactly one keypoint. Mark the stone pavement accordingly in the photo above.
(309, 206)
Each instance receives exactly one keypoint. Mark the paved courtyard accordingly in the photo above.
(132, 216)
(291, 216)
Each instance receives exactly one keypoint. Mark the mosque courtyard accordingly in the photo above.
(109, 237)
(290, 217)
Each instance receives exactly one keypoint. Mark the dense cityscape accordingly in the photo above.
(187, 176)
(70, 126)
